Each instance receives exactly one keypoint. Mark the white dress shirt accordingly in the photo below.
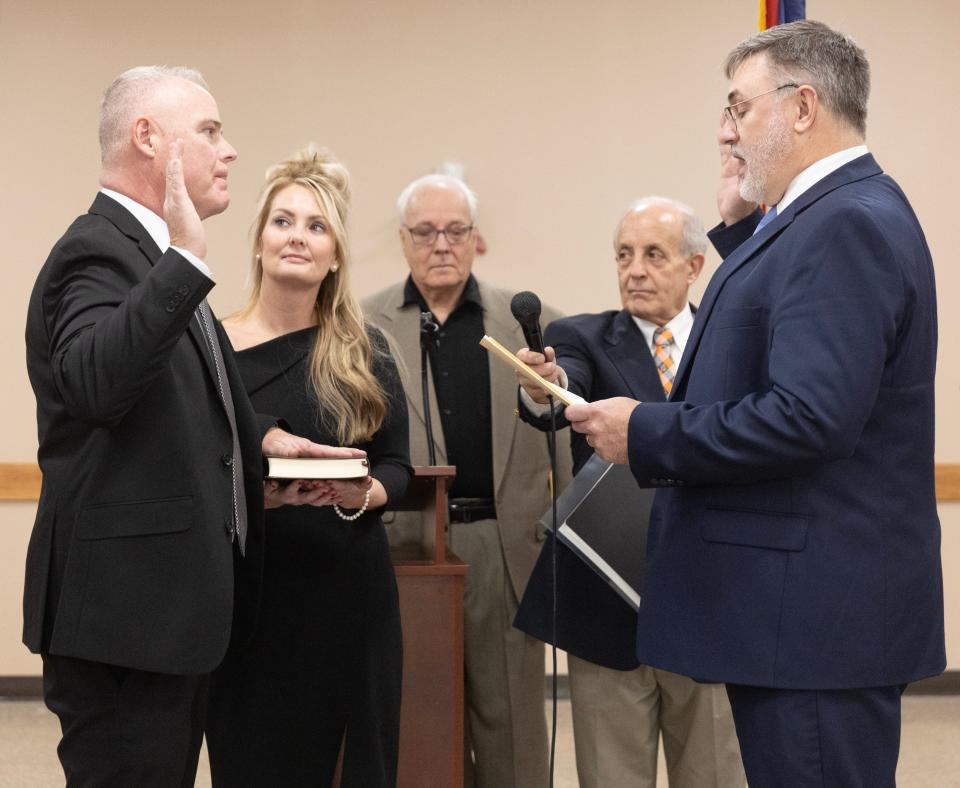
(817, 172)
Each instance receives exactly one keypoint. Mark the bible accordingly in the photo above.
(289, 468)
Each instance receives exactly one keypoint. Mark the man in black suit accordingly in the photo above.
(620, 707)
(150, 451)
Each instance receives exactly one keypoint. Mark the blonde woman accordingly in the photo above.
(325, 664)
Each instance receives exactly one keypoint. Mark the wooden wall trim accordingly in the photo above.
(948, 482)
(20, 481)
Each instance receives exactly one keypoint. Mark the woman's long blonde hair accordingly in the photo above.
(353, 403)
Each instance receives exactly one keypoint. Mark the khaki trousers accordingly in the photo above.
(618, 717)
(505, 726)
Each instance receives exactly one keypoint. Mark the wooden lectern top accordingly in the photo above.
(427, 494)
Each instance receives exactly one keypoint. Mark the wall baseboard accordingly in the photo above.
(21, 687)
(31, 687)
(945, 684)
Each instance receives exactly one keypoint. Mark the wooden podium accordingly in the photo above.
(430, 581)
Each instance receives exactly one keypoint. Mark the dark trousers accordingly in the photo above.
(124, 727)
(818, 738)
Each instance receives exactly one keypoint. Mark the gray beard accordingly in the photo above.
(764, 160)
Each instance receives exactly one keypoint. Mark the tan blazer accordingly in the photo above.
(521, 463)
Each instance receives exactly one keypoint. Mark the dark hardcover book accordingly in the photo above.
(603, 517)
(315, 467)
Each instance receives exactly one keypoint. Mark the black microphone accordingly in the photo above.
(525, 307)
(429, 331)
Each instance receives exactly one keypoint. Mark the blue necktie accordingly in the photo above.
(768, 217)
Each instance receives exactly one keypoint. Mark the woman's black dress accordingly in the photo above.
(326, 657)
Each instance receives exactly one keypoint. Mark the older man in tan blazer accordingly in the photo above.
(502, 484)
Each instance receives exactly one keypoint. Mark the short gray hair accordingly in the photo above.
(122, 99)
(437, 179)
(809, 51)
(694, 237)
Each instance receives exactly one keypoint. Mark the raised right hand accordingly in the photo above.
(183, 221)
(730, 204)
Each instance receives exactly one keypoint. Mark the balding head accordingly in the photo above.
(135, 92)
(144, 111)
(435, 182)
(659, 247)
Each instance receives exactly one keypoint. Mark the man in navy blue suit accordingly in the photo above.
(619, 706)
(794, 548)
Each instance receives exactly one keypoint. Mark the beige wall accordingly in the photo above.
(561, 112)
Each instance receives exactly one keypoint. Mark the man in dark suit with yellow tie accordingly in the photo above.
(149, 448)
(620, 708)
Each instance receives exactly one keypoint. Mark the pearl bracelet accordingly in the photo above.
(356, 514)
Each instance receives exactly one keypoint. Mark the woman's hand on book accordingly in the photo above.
(279, 443)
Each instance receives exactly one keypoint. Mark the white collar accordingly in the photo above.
(153, 224)
(817, 172)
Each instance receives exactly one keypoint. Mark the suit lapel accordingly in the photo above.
(499, 323)
(630, 356)
(203, 346)
(863, 167)
(126, 223)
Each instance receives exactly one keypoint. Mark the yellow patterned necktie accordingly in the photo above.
(663, 341)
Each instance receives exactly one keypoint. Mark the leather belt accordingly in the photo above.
(469, 510)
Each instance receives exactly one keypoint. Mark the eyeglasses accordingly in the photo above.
(426, 235)
(730, 113)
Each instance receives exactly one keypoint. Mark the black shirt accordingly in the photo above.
(461, 379)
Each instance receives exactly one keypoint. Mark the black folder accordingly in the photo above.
(603, 517)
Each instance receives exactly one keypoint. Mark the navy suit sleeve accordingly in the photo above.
(832, 314)
(110, 328)
(725, 239)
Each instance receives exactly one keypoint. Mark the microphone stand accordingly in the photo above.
(429, 331)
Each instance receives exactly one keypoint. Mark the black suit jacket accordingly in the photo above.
(130, 561)
(604, 355)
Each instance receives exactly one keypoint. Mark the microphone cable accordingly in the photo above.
(552, 448)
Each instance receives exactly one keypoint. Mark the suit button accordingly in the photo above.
(228, 524)
(226, 459)
(183, 290)
(171, 308)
